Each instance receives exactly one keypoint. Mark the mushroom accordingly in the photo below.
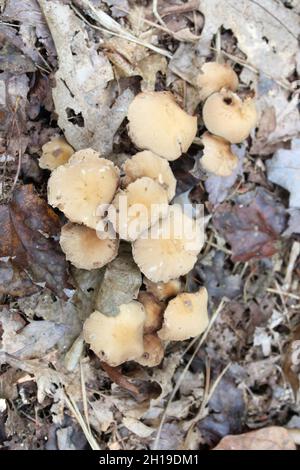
(84, 249)
(226, 115)
(170, 248)
(117, 339)
(217, 155)
(157, 123)
(56, 152)
(153, 309)
(215, 76)
(163, 290)
(185, 316)
(146, 163)
(153, 351)
(80, 186)
(138, 207)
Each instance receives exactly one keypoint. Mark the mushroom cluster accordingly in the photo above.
(149, 323)
(228, 118)
(134, 201)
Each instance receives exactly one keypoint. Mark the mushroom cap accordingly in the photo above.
(157, 123)
(153, 309)
(138, 207)
(185, 316)
(217, 155)
(170, 248)
(226, 115)
(56, 152)
(146, 163)
(80, 186)
(163, 290)
(215, 76)
(119, 338)
(84, 249)
(153, 351)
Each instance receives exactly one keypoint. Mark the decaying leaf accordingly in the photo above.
(121, 284)
(284, 169)
(267, 35)
(28, 228)
(227, 411)
(279, 117)
(253, 228)
(34, 340)
(294, 222)
(218, 281)
(88, 113)
(271, 438)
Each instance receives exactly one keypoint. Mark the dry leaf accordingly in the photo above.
(272, 438)
(267, 35)
(28, 227)
(87, 112)
(279, 117)
(252, 229)
(284, 169)
(121, 284)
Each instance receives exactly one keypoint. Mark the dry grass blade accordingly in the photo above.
(110, 26)
(183, 373)
(85, 428)
(84, 398)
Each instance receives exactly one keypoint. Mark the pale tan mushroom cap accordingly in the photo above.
(153, 351)
(138, 207)
(153, 309)
(185, 316)
(163, 290)
(157, 123)
(81, 185)
(226, 115)
(217, 155)
(84, 249)
(170, 248)
(116, 339)
(56, 152)
(146, 163)
(215, 76)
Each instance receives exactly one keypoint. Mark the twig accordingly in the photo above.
(156, 14)
(117, 31)
(84, 398)
(295, 251)
(183, 373)
(254, 69)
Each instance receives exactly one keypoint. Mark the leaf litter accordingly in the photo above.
(92, 76)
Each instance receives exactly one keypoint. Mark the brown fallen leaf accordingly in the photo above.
(253, 228)
(271, 438)
(28, 227)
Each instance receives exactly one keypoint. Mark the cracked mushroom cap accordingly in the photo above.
(217, 155)
(138, 207)
(157, 123)
(154, 311)
(80, 186)
(185, 316)
(84, 249)
(119, 338)
(214, 77)
(146, 163)
(170, 248)
(153, 351)
(56, 152)
(227, 116)
(163, 290)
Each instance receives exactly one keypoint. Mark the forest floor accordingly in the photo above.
(243, 374)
